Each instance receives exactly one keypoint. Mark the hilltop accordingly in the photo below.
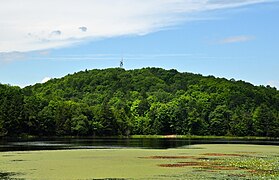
(142, 101)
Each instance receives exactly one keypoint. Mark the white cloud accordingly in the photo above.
(36, 25)
(6, 57)
(236, 39)
(45, 79)
(274, 84)
(44, 52)
(83, 28)
(56, 33)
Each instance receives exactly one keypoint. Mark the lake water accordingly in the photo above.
(9, 144)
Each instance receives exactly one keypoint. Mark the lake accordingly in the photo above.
(138, 158)
(15, 144)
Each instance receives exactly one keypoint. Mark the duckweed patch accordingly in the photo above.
(204, 162)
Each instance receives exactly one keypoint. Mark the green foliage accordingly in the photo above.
(265, 121)
(219, 120)
(11, 107)
(143, 101)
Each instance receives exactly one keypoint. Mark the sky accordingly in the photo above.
(47, 39)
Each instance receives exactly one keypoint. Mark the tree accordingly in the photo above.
(265, 121)
(11, 107)
(242, 123)
(219, 121)
(33, 118)
(80, 125)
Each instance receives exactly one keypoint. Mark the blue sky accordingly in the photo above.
(228, 39)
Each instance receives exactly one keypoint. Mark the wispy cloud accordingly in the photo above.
(274, 84)
(7, 57)
(44, 52)
(46, 79)
(236, 39)
(36, 25)
(131, 57)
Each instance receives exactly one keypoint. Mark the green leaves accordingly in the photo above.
(11, 109)
(142, 101)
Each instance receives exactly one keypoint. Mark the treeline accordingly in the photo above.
(144, 101)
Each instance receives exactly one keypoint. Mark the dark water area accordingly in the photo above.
(14, 144)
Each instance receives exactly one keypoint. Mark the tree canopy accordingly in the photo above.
(142, 101)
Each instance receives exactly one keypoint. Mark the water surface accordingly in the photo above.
(14, 144)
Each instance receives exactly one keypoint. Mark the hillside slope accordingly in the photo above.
(144, 101)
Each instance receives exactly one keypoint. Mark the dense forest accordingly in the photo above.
(143, 101)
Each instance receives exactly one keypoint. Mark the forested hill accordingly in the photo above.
(142, 101)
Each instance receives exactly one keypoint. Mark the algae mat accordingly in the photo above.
(193, 162)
